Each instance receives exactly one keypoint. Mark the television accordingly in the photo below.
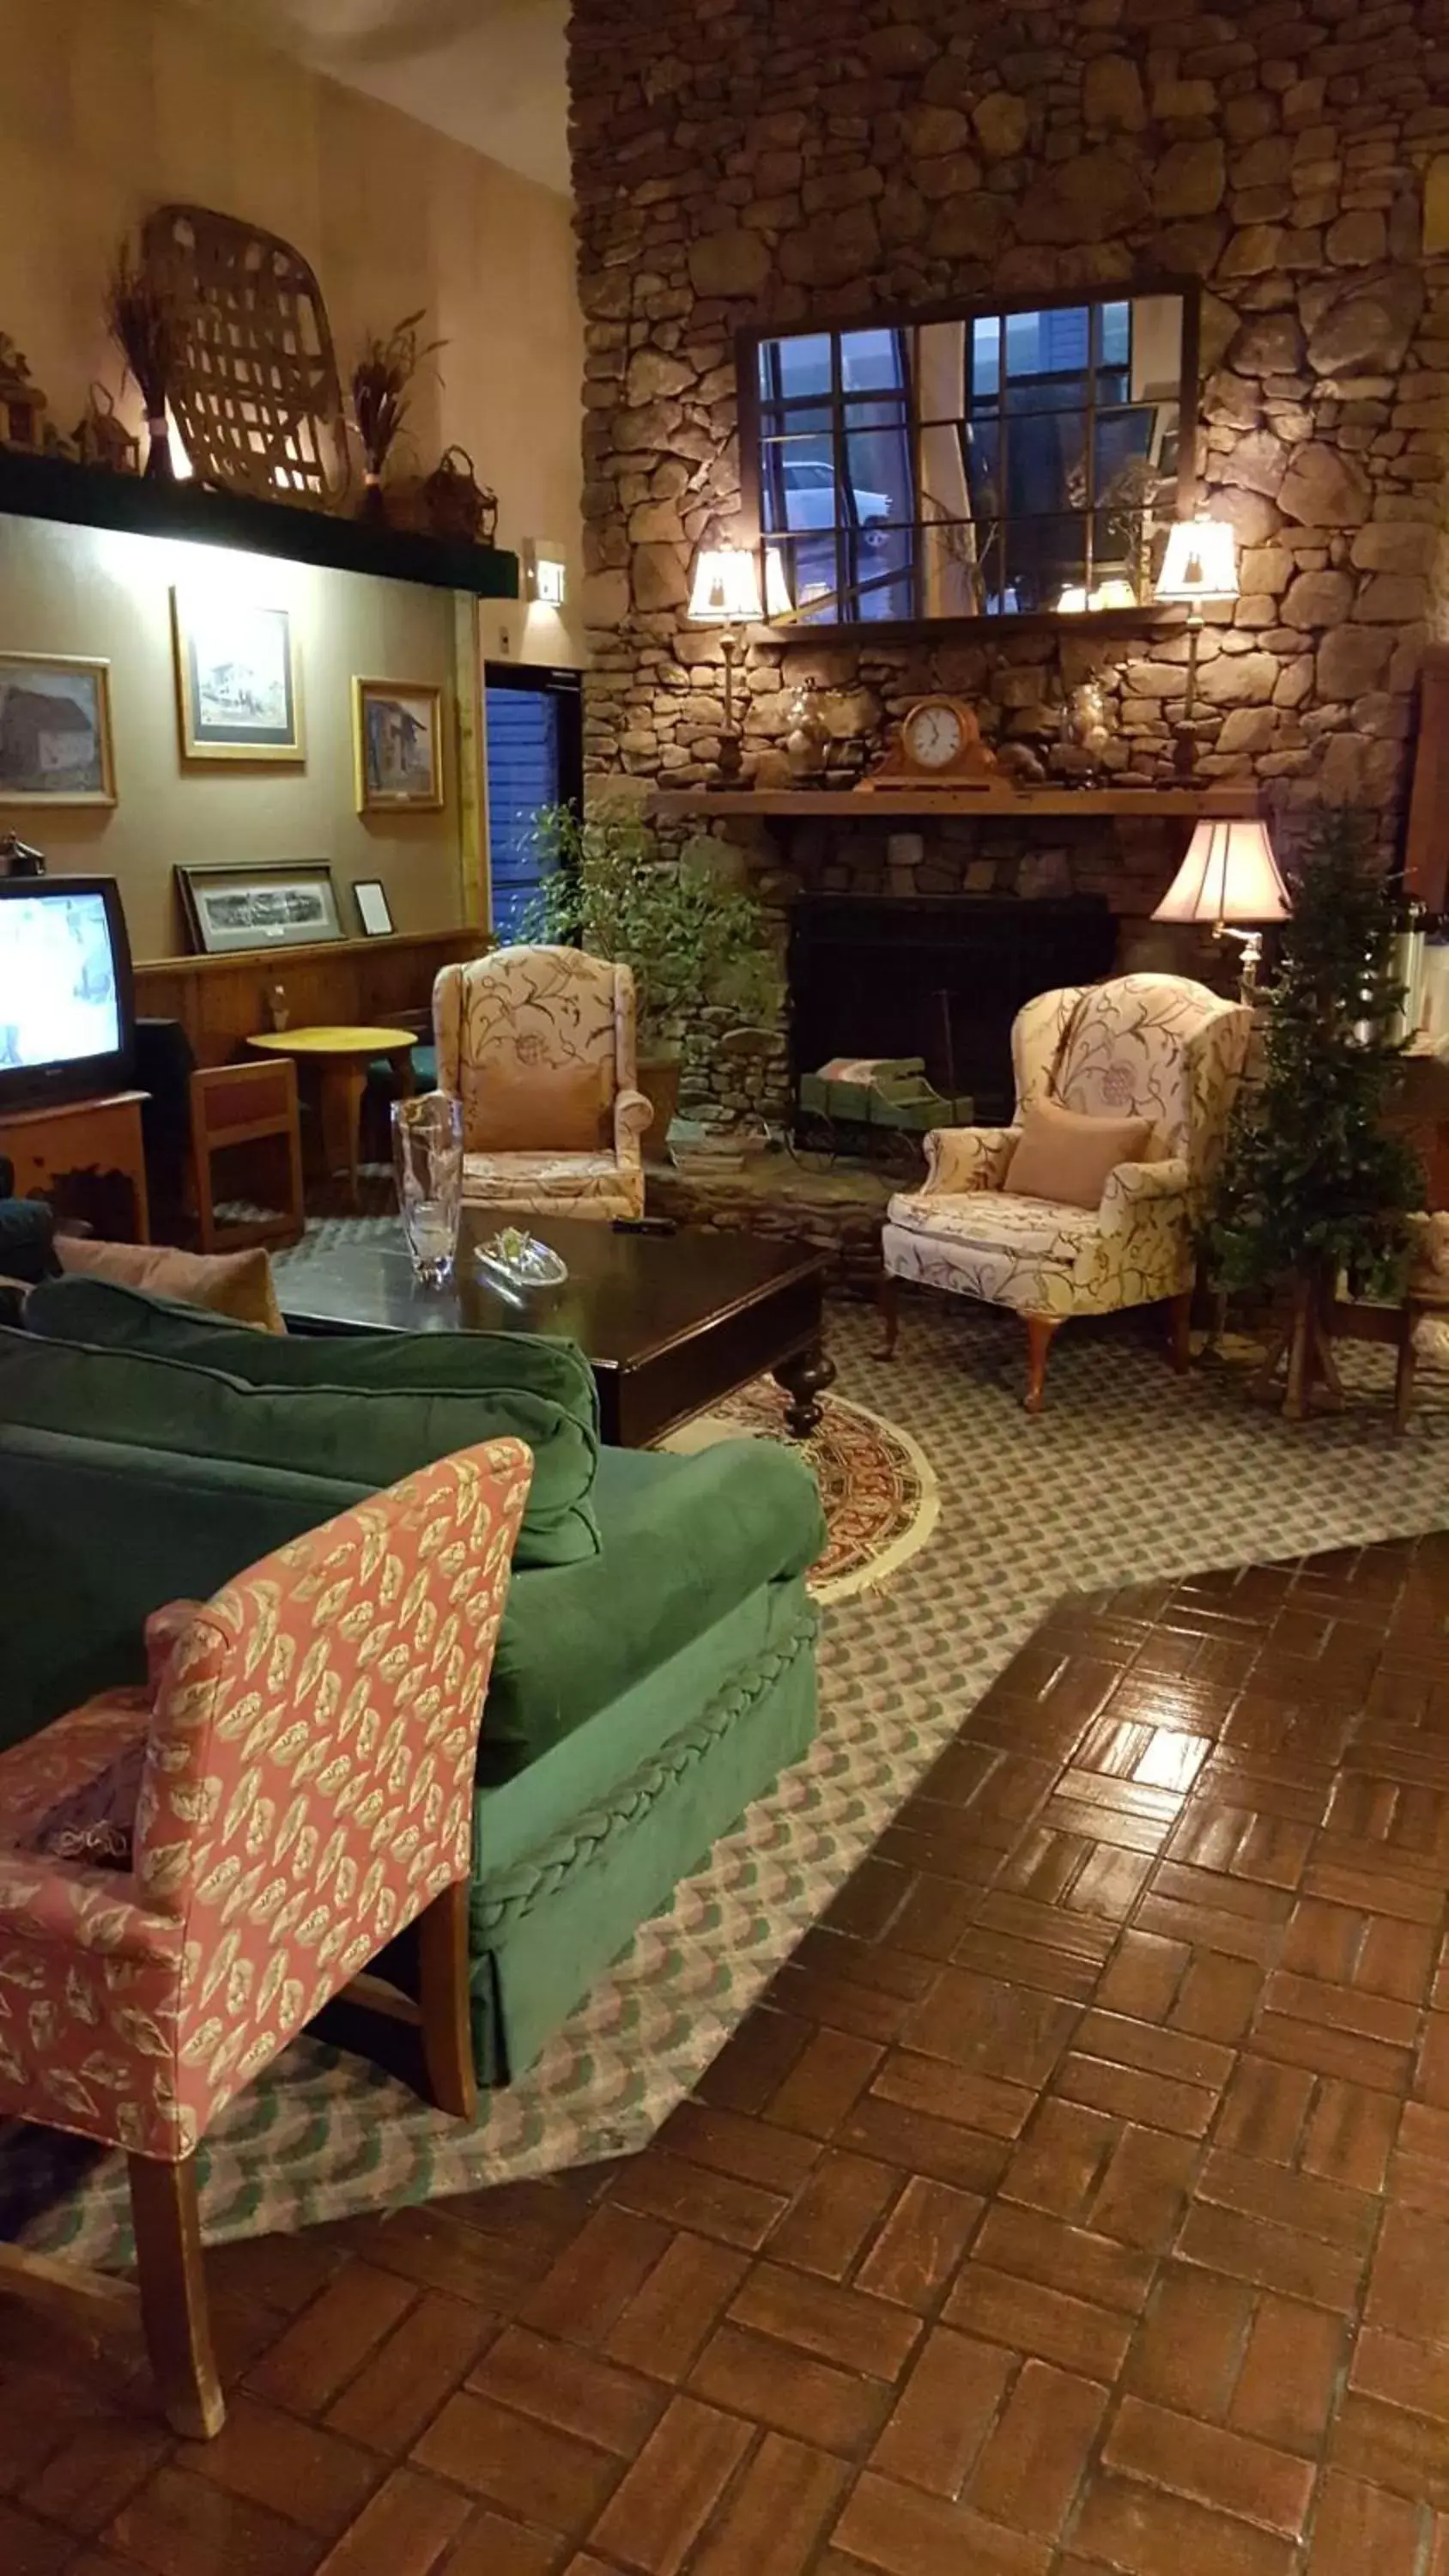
(67, 1016)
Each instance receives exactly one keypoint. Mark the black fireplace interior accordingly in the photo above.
(881, 975)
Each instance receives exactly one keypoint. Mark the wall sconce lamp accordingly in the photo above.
(726, 594)
(1200, 565)
(1230, 878)
(545, 572)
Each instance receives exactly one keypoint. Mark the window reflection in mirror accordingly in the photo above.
(992, 464)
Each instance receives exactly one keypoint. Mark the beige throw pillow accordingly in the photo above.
(561, 1109)
(238, 1284)
(1064, 1156)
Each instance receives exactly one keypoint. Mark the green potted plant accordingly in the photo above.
(694, 942)
(1315, 1185)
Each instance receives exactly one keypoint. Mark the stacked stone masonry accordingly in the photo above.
(748, 162)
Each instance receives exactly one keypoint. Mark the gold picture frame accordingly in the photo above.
(55, 730)
(397, 747)
(238, 680)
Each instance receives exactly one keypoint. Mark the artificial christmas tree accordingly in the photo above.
(1315, 1187)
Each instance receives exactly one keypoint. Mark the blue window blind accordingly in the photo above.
(523, 775)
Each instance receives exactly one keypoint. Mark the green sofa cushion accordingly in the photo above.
(685, 1541)
(361, 1410)
(107, 1316)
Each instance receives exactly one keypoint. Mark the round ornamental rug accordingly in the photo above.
(876, 1483)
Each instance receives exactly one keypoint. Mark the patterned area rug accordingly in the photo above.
(876, 1483)
(1130, 1474)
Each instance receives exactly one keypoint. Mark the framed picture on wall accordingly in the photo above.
(267, 903)
(373, 909)
(397, 734)
(55, 731)
(237, 694)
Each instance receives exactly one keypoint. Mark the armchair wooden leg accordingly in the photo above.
(172, 2284)
(1404, 1374)
(443, 2002)
(1179, 1331)
(888, 1299)
(1040, 1334)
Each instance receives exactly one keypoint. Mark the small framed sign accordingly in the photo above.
(374, 912)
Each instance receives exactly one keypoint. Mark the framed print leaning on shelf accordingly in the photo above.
(237, 695)
(262, 903)
(55, 731)
(397, 732)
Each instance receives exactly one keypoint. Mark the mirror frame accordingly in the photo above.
(897, 317)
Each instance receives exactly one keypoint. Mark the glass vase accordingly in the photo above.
(427, 1161)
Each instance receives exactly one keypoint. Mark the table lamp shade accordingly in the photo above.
(1229, 874)
(778, 602)
(1201, 562)
(726, 588)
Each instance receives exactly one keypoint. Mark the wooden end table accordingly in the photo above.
(341, 1056)
(670, 1323)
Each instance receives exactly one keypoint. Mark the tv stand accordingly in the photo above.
(85, 1157)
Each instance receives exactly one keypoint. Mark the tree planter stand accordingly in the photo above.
(1302, 1347)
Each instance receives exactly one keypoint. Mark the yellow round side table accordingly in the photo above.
(341, 1056)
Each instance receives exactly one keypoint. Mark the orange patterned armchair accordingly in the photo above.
(538, 1043)
(190, 1871)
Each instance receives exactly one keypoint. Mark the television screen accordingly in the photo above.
(59, 996)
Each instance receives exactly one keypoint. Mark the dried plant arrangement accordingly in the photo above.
(142, 320)
(382, 382)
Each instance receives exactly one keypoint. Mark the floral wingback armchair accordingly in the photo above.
(190, 1870)
(538, 1043)
(1147, 1046)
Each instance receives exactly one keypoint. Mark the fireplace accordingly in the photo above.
(943, 978)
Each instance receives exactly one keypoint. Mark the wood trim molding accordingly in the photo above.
(1426, 855)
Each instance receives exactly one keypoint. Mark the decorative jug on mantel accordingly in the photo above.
(808, 740)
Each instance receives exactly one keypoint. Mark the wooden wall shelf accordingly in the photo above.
(86, 496)
(1228, 804)
(222, 1001)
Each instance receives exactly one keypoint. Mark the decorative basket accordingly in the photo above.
(456, 504)
(256, 394)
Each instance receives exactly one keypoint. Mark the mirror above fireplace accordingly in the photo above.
(985, 462)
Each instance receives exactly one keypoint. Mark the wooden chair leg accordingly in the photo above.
(888, 1299)
(172, 2283)
(1179, 1331)
(443, 2002)
(1040, 1333)
(1404, 1374)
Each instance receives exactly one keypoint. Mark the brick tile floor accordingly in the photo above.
(1077, 2200)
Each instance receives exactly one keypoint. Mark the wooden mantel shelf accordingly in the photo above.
(1220, 804)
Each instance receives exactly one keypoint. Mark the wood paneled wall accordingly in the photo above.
(222, 1001)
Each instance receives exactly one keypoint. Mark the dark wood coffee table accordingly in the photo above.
(670, 1323)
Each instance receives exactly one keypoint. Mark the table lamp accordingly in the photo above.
(1201, 564)
(1229, 878)
(726, 593)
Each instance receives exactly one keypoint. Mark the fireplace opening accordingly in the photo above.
(940, 978)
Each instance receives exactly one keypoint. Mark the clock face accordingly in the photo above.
(932, 735)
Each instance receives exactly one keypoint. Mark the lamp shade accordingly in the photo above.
(778, 602)
(726, 586)
(1229, 874)
(1201, 562)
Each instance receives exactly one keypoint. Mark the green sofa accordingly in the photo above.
(655, 1670)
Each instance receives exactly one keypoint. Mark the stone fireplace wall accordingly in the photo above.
(771, 161)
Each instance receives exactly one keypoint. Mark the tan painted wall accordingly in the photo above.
(108, 107)
(87, 591)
